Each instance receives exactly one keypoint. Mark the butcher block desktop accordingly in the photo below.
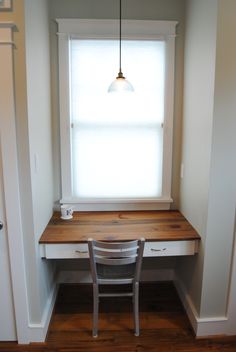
(167, 233)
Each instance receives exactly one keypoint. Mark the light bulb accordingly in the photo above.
(120, 84)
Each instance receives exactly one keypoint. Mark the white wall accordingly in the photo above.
(40, 150)
(199, 76)
(222, 190)
(208, 189)
(33, 124)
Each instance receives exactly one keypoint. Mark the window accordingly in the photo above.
(116, 149)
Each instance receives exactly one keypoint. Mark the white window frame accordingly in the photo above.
(108, 29)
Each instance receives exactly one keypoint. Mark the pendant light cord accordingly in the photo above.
(120, 83)
(120, 38)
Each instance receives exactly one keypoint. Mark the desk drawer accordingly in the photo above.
(151, 249)
(169, 248)
(63, 251)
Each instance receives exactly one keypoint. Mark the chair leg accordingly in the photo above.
(95, 310)
(136, 308)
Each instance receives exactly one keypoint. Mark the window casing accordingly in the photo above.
(71, 33)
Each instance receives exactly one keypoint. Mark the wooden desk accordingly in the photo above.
(167, 233)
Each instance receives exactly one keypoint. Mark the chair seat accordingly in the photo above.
(121, 281)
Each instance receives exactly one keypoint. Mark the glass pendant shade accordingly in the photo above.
(120, 84)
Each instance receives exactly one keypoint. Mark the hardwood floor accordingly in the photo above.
(164, 325)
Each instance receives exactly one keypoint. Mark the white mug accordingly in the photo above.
(66, 212)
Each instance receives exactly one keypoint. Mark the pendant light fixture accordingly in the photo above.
(120, 84)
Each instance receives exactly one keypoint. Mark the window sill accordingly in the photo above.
(118, 204)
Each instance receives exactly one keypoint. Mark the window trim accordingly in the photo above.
(98, 29)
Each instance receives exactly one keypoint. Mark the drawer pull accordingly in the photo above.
(158, 250)
(81, 252)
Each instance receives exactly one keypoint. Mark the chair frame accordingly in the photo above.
(116, 253)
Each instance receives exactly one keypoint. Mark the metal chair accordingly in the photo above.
(116, 263)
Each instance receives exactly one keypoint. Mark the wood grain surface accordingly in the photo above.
(119, 226)
(163, 322)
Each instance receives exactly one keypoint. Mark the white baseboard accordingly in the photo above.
(187, 303)
(203, 327)
(212, 326)
(38, 332)
(73, 276)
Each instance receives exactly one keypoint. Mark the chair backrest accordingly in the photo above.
(116, 254)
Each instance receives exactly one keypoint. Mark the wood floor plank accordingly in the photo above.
(164, 325)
